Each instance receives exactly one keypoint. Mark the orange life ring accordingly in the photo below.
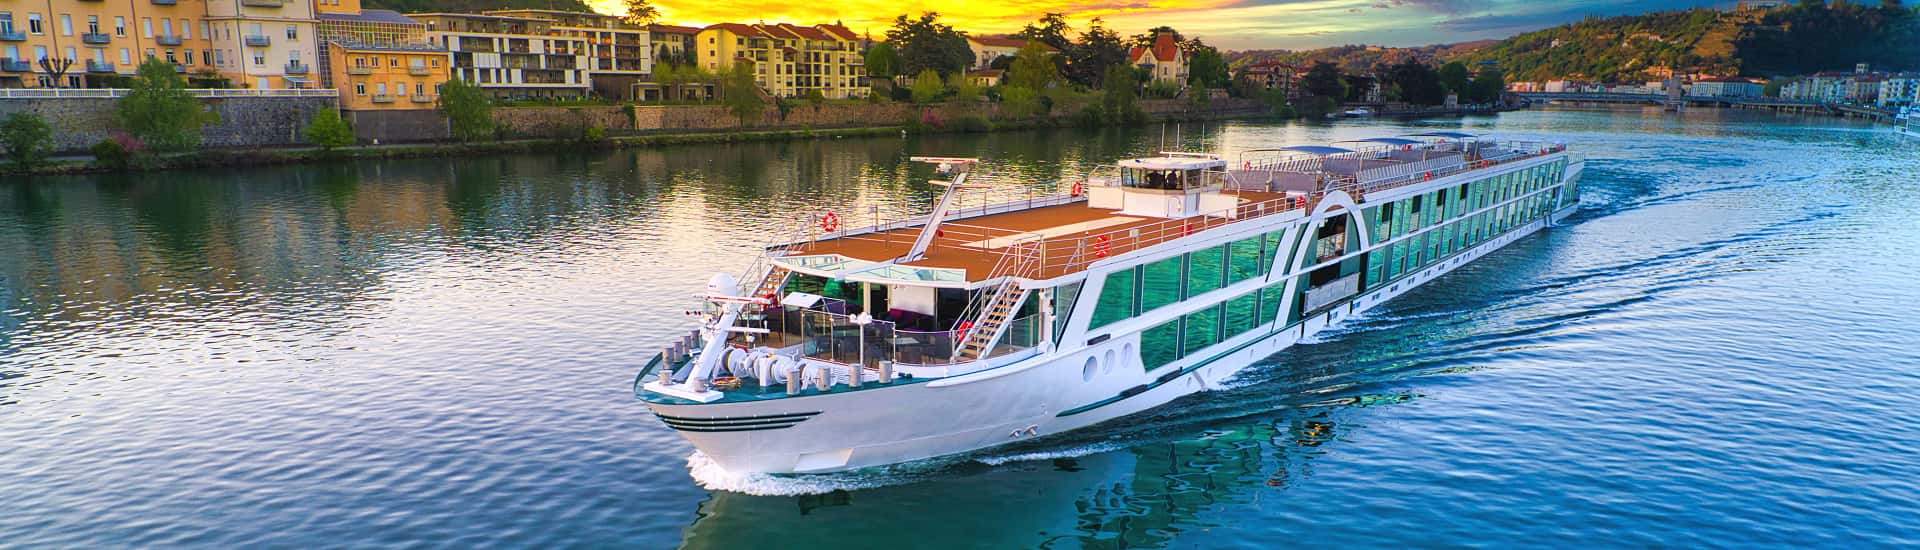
(773, 299)
(1100, 245)
(1248, 165)
(1079, 188)
(1429, 177)
(830, 222)
(1300, 201)
(1186, 230)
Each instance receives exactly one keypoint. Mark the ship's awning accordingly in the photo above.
(1448, 135)
(1320, 150)
(1386, 140)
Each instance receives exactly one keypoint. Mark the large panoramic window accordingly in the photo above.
(1160, 283)
(1243, 313)
(1203, 329)
(1205, 269)
(1270, 301)
(1116, 300)
(1244, 261)
(1160, 345)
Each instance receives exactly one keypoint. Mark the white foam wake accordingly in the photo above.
(1072, 452)
(711, 476)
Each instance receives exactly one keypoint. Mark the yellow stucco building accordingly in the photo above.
(788, 60)
(379, 59)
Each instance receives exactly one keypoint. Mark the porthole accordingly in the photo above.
(1106, 364)
(1127, 354)
(1086, 372)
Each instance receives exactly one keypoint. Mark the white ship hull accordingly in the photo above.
(1085, 378)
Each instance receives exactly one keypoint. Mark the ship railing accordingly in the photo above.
(874, 217)
(1065, 254)
(1490, 155)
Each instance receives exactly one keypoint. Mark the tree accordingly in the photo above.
(926, 44)
(1488, 85)
(26, 139)
(1018, 102)
(1032, 68)
(741, 94)
(1418, 83)
(469, 113)
(641, 12)
(1323, 80)
(926, 87)
(1117, 96)
(1205, 67)
(1099, 49)
(159, 111)
(1051, 30)
(1146, 40)
(328, 130)
(964, 90)
(1454, 77)
(883, 61)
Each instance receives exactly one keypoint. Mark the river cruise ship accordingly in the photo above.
(1908, 123)
(987, 321)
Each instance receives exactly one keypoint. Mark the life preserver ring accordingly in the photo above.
(1187, 229)
(1079, 188)
(1300, 201)
(1248, 165)
(961, 331)
(1429, 177)
(830, 222)
(773, 299)
(1100, 245)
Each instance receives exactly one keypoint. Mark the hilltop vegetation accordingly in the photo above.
(419, 6)
(1356, 58)
(1807, 37)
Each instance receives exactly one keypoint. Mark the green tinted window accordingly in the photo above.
(1270, 302)
(1203, 329)
(1242, 314)
(1116, 300)
(1063, 298)
(1160, 345)
(1244, 260)
(1160, 283)
(1204, 270)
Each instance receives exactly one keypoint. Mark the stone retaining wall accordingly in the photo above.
(78, 123)
(561, 122)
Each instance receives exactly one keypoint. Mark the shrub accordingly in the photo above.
(815, 97)
(972, 123)
(26, 138)
(742, 96)
(328, 130)
(931, 119)
(158, 110)
(927, 87)
(117, 151)
(1018, 102)
(594, 134)
(469, 113)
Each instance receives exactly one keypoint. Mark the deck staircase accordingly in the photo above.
(770, 285)
(993, 319)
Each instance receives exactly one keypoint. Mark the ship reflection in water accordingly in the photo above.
(1142, 496)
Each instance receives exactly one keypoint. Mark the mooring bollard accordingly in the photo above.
(699, 385)
(825, 380)
(853, 375)
(886, 372)
(793, 381)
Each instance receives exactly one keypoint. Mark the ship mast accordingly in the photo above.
(956, 169)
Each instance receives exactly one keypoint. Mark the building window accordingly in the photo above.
(146, 27)
(260, 57)
(125, 57)
(170, 57)
(120, 26)
(33, 23)
(380, 88)
(66, 25)
(293, 32)
(187, 56)
(186, 29)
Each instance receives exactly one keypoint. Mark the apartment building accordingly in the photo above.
(1273, 75)
(788, 60)
(378, 59)
(95, 43)
(671, 42)
(511, 57)
(619, 54)
(264, 44)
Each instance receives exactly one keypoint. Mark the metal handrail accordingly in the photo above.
(640, 379)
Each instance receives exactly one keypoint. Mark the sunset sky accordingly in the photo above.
(1229, 24)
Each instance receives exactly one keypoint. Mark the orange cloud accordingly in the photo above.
(876, 16)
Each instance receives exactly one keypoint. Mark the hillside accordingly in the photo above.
(417, 6)
(1357, 58)
(1800, 39)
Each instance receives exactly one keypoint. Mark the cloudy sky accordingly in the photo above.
(1231, 24)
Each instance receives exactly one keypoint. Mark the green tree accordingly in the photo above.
(1145, 40)
(926, 44)
(1117, 99)
(1051, 30)
(328, 130)
(26, 138)
(1018, 102)
(1418, 83)
(1323, 80)
(926, 87)
(1205, 67)
(1488, 85)
(883, 61)
(469, 113)
(1099, 49)
(964, 90)
(1032, 69)
(159, 111)
(742, 95)
(640, 12)
(1455, 78)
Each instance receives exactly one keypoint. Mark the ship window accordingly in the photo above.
(1274, 240)
(1160, 345)
(1160, 283)
(1243, 260)
(1064, 297)
(1204, 270)
(1270, 302)
(1116, 299)
(1242, 314)
(1203, 329)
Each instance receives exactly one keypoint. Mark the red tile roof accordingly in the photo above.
(840, 31)
(1165, 50)
(672, 29)
(736, 28)
(808, 32)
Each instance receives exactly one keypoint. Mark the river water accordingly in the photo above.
(1718, 349)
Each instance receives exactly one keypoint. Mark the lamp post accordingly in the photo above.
(853, 375)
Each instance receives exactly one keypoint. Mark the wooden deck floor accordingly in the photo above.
(977, 244)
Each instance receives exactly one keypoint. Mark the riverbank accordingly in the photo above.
(257, 156)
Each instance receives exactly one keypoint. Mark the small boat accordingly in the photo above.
(1908, 122)
(985, 320)
(1358, 112)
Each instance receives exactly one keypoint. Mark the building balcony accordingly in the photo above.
(95, 38)
(167, 40)
(422, 99)
(99, 67)
(360, 71)
(165, 2)
(382, 98)
(13, 66)
(12, 36)
(296, 67)
(257, 40)
(419, 71)
(263, 3)
(178, 68)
